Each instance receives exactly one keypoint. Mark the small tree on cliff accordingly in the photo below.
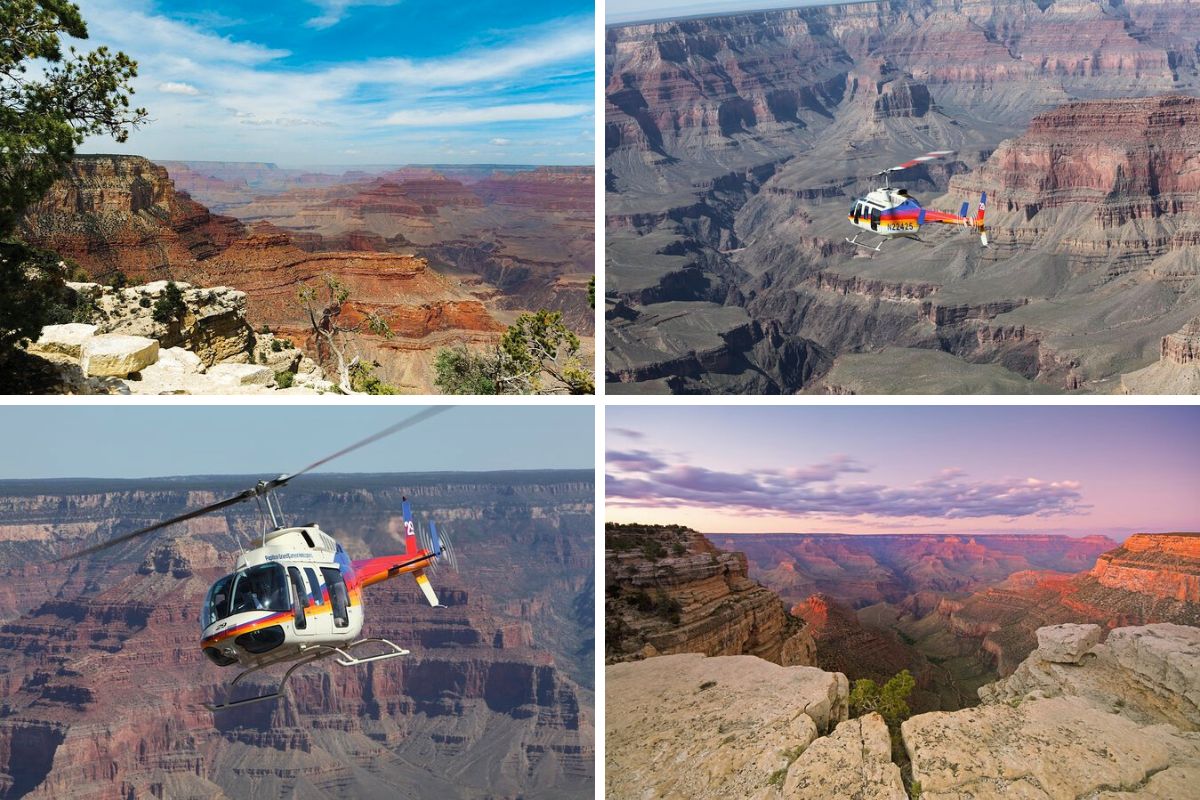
(45, 113)
(336, 336)
(538, 354)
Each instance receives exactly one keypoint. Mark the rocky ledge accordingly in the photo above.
(1078, 719)
(202, 345)
(1122, 722)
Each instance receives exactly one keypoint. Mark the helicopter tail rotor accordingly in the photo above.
(979, 219)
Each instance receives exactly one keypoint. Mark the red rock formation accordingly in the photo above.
(1183, 346)
(123, 213)
(546, 188)
(1164, 566)
(844, 645)
(668, 590)
(863, 570)
(1150, 578)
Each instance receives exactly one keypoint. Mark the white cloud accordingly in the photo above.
(173, 87)
(500, 142)
(334, 11)
(213, 96)
(476, 116)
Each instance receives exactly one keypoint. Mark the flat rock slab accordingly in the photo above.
(242, 374)
(1062, 747)
(114, 355)
(852, 763)
(1066, 644)
(688, 726)
(66, 339)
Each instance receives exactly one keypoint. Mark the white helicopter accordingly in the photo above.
(893, 213)
(296, 596)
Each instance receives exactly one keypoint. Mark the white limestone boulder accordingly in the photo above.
(241, 375)
(855, 761)
(115, 355)
(66, 339)
(1068, 643)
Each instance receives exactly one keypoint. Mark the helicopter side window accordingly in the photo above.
(316, 586)
(337, 596)
(875, 219)
(216, 604)
(300, 597)
(261, 588)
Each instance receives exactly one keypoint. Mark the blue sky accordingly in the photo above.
(159, 441)
(1113, 470)
(321, 82)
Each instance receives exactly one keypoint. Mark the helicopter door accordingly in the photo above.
(299, 602)
(874, 219)
(338, 596)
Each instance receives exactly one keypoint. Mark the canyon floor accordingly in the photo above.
(736, 144)
(102, 680)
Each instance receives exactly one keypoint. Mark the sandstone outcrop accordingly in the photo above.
(716, 727)
(1067, 643)
(205, 345)
(854, 762)
(1121, 724)
(668, 590)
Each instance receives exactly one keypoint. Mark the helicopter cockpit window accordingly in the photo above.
(261, 588)
(216, 604)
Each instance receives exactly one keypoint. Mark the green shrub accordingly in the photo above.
(285, 379)
(170, 307)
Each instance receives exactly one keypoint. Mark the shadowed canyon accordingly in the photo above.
(736, 144)
(1018, 645)
(102, 679)
(444, 256)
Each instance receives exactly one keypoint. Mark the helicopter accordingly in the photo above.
(893, 213)
(295, 595)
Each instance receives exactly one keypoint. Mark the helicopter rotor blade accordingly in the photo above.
(930, 156)
(420, 416)
(125, 537)
(261, 488)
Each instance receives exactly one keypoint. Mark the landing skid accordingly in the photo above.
(345, 659)
(865, 246)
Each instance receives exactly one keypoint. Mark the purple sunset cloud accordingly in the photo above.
(640, 478)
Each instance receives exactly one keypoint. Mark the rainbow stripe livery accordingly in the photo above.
(890, 213)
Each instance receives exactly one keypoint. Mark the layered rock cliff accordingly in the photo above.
(1151, 578)
(735, 144)
(668, 590)
(100, 694)
(122, 214)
